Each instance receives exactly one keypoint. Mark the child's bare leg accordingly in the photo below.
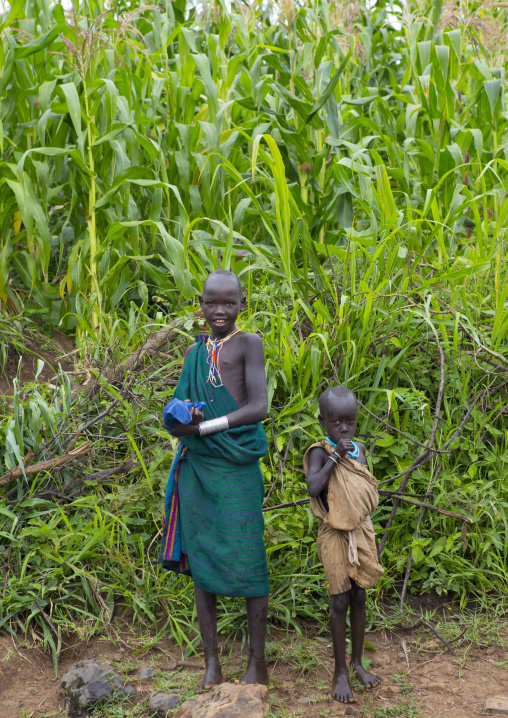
(257, 612)
(206, 607)
(339, 604)
(357, 616)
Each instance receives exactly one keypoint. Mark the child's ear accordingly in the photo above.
(321, 420)
(243, 303)
(200, 298)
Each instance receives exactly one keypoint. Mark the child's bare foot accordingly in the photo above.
(341, 690)
(213, 675)
(369, 680)
(256, 672)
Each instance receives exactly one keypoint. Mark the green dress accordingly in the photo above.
(221, 491)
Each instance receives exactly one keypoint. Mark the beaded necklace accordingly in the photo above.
(214, 347)
(352, 454)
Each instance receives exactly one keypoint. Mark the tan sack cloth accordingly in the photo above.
(346, 543)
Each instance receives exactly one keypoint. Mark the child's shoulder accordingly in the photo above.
(251, 342)
(316, 451)
(318, 446)
(250, 337)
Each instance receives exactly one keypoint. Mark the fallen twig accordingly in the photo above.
(300, 502)
(149, 348)
(186, 664)
(428, 625)
(398, 497)
(71, 454)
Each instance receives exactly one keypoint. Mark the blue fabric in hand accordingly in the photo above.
(178, 410)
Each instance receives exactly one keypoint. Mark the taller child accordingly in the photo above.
(220, 484)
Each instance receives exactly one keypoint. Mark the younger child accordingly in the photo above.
(343, 494)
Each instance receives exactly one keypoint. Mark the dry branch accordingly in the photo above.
(71, 454)
(398, 497)
(148, 348)
(428, 625)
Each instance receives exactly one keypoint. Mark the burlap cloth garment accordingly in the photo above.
(346, 543)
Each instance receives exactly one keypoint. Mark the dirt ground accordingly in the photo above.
(59, 350)
(420, 677)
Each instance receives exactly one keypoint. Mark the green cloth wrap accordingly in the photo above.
(221, 492)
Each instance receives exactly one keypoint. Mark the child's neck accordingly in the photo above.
(221, 337)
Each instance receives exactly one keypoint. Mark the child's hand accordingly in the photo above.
(343, 446)
(197, 416)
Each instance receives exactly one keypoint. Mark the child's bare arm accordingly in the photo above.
(362, 458)
(319, 471)
(256, 408)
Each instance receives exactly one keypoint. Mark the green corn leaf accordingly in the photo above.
(41, 43)
(328, 90)
(71, 95)
(16, 6)
(493, 89)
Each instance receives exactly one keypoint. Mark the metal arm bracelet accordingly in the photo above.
(213, 425)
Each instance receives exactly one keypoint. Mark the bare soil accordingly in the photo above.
(51, 352)
(419, 676)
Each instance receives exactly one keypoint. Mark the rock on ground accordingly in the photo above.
(147, 672)
(90, 682)
(305, 701)
(497, 704)
(161, 704)
(227, 701)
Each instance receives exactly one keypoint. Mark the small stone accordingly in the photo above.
(394, 689)
(401, 655)
(497, 704)
(237, 682)
(306, 701)
(162, 703)
(147, 672)
(22, 695)
(350, 711)
(33, 691)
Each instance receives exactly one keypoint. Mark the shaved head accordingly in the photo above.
(334, 392)
(220, 273)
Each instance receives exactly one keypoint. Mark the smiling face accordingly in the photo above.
(221, 303)
(339, 417)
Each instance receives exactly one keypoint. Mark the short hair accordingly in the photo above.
(225, 273)
(337, 391)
